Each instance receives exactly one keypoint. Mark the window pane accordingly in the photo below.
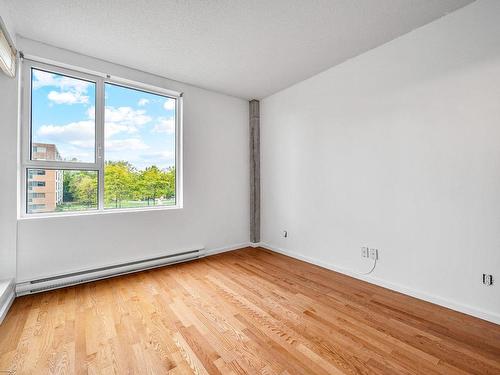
(62, 117)
(139, 148)
(55, 190)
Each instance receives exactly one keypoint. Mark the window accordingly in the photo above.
(62, 117)
(37, 172)
(39, 149)
(36, 195)
(62, 190)
(139, 148)
(36, 183)
(92, 143)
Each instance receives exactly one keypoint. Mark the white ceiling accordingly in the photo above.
(245, 48)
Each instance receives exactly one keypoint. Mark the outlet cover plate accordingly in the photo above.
(374, 254)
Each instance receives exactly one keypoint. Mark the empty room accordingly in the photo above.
(250, 187)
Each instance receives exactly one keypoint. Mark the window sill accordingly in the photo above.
(110, 211)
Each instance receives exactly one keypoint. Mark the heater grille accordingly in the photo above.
(74, 278)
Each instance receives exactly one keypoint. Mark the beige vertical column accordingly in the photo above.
(254, 122)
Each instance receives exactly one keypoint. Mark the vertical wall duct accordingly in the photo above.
(254, 122)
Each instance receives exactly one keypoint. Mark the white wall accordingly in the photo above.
(8, 166)
(397, 149)
(216, 208)
(7, 20)
(8, 173)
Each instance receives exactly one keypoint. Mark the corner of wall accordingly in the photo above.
(7, 296)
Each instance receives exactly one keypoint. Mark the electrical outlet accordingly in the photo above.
(365, 252)
(374, 254)
(285, 234)
(487, 279)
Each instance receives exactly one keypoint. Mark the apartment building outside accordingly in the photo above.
(45, 186)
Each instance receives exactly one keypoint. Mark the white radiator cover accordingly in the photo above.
(74, 278)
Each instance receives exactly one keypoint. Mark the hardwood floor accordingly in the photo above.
(247, 311)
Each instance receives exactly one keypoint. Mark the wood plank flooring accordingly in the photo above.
(244, 312)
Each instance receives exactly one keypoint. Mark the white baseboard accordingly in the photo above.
(6, 300)
(469, 310)
(232, 248)
(227, 248)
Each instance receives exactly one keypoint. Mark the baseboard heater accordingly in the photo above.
(55, 282)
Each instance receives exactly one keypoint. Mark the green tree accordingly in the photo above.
(68, 182)
(79, 188)
(152, 184)
(170, 179)
(119, 182)
(85, 190)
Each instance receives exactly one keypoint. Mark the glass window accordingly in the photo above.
(62, 190)
(62, 117)
(90, 143)
(139, 145)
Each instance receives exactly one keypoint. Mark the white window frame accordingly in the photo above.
(100, 79)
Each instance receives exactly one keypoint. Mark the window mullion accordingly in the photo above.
(58, 164)
(25, 78)
(99, 152)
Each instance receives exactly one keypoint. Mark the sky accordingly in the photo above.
(139, 126)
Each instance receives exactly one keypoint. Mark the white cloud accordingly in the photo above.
(44, 79)
(142, 102)
(123, 120)
(112, 128)
(126, 116)
(169, 104)
(91, 113)
(158, 156)
(80, 133)
(162, 159)
(82, 143)
(70, 152)
(165, 125)
(67, 97)
(125, 144)
(71, 90)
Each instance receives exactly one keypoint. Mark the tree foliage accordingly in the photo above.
(85, 189)
(153, 183)
(123, 185)
(119, 183)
